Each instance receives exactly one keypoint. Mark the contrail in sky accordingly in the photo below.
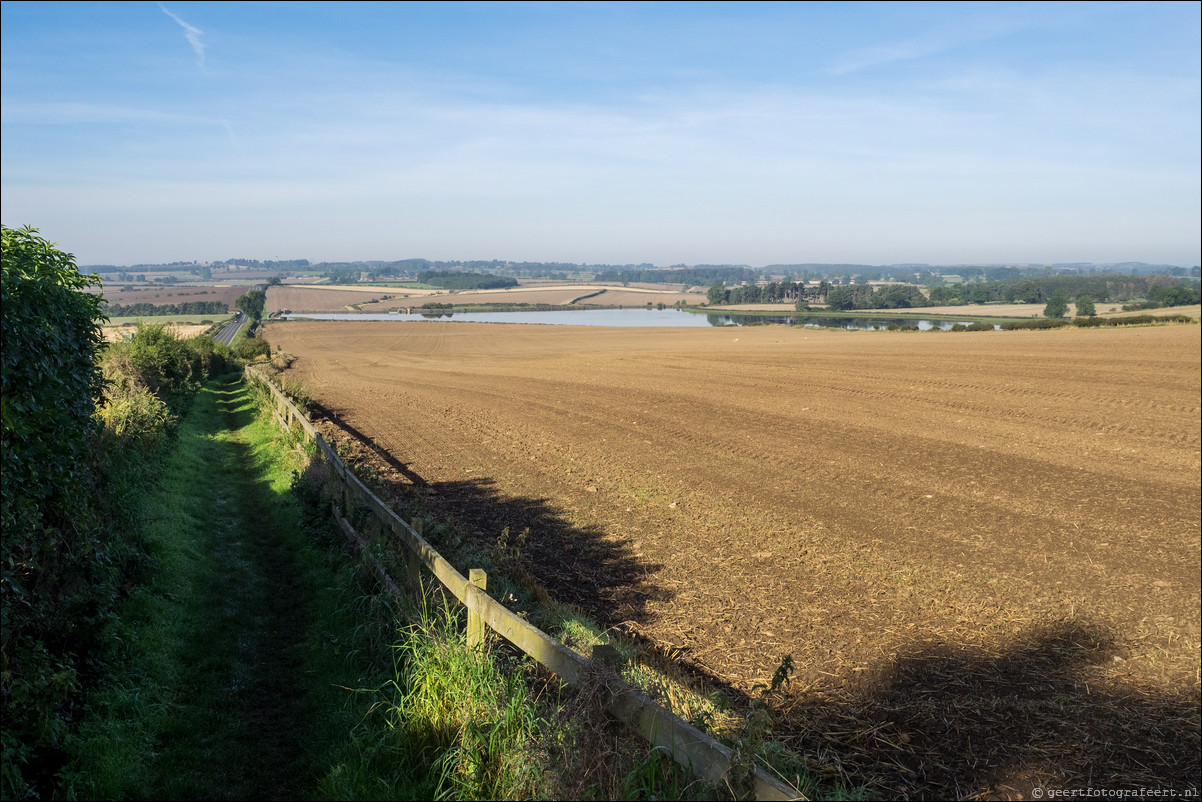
(193, 35)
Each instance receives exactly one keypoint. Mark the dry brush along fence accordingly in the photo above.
(690, 747)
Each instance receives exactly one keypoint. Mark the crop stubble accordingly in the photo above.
(859, 500)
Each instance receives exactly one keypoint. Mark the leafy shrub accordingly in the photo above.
(153, 359)
(250, 348)
(1130, 320)
(56, 584)
(214, 358)
(1046, 323)
(138, 418)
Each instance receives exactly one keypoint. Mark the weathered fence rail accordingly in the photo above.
(689, 746)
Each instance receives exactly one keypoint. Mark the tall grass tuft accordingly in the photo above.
(472, 723)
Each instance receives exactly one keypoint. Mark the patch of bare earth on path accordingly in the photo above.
(981, 549)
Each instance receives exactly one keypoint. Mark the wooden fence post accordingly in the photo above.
(607, 655)
(475, 623)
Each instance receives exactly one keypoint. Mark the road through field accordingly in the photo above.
(849, 498)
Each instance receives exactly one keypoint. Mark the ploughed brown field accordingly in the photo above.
(383, 299)
(982, 550)
(174, 294)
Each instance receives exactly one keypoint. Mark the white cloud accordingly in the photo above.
(192, 34)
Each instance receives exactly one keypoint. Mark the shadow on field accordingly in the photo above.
(578, 565)
(982, 722)
(319, 411)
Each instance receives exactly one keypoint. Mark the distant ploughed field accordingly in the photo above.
(383, 299)
(918, 519)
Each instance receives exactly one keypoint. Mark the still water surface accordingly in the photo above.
(631, 318)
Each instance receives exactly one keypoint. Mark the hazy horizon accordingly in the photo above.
(183, 262)
(606, 133)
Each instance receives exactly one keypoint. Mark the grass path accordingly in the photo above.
(236, 646)
(239, 718)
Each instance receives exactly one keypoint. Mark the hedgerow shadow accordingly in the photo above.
(1000, 721)
(582, 566)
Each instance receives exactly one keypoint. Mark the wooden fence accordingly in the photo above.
(689, 746)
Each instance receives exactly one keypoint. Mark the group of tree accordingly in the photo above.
(698, 275)
(456, 280)
(1163, 295)
(252, 305)
(1102, 287)
(158, 310)
(860, 296)
(854, 296)
(772, 292)
(266, 264)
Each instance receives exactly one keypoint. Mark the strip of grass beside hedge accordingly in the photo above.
(231, 652)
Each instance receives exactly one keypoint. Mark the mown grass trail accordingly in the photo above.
(239, 713)
(236, 665)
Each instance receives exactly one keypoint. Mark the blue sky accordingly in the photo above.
(664, 133)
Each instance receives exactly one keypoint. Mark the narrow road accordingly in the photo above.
(226, 335)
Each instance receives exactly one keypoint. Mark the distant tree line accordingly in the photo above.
(860, 296)
(266, 264)
(1101, 287)
(701, 274)
(200, 268)
(772, 292)
(454, 280)
(1163, 295)
(156, 310)
(852, 296)
(856, 293)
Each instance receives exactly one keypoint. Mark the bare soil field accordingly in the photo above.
(981, 550)
(382, 299)
(318, 299)
(175, 294)
(583, 294)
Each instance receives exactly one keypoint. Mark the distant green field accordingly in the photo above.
(150, 319)
(404, 285)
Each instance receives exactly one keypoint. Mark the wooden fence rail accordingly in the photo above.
(689, 746)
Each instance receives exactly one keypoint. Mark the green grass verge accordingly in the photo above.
(234, 653)
(251, 660)
(188, 319)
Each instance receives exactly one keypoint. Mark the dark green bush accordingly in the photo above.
(249, 348)
(1130, 320)
(1045, 323)
(214, 358)
(57, 585)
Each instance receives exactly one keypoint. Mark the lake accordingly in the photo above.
(633, 318)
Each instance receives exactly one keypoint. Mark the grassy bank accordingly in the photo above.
(252, 661)
(231, 652)
(130, 320)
